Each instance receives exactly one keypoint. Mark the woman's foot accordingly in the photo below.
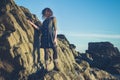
(49, 65)
(56, 65)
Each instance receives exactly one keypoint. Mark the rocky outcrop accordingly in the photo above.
(105, 56)
(20, 53)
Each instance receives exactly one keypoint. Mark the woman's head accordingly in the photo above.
(47, 12)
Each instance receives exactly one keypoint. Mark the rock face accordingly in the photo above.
(20, 53)
(105, 56)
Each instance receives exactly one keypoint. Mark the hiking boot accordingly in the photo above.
(56, 65)
(49, 65)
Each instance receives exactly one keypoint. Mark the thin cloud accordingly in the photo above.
(95, 35)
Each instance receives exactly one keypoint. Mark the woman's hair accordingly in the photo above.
(44, 11)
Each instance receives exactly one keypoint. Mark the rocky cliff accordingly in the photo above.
(19, 51)
(105, 56)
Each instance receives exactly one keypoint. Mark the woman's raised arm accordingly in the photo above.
(35, 26)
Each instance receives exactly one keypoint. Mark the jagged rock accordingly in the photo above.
(20, 54)
(105, 56)
(100, 73)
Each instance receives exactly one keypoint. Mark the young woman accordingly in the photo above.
(49, 34)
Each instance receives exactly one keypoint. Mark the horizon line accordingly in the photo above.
(115, 36)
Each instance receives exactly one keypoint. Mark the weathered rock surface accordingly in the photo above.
(105, 56)
(20, 53)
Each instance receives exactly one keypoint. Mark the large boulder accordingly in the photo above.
(105, 56)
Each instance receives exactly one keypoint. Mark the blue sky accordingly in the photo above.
(82, 21)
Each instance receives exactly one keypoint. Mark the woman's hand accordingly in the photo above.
(28, 21)
(55, 41)
(35, 26)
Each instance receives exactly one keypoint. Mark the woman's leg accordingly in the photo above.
(46, 54)
(55, 55)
